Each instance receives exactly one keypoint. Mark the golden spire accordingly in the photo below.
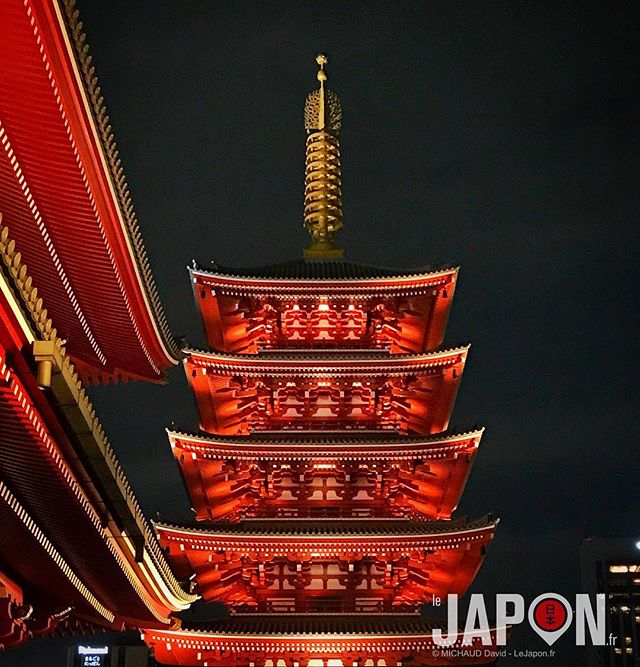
(322, 183)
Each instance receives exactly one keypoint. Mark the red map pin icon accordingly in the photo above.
(550, 615)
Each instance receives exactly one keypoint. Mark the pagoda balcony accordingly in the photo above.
(240, 394)
(373, 308)
(297, 475)
(347, 566)
(316, 641)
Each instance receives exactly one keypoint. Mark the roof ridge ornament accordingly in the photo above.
(323, 186)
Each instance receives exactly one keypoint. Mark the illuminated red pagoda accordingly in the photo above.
(324, 473)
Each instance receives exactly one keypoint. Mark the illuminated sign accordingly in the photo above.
(92, 656)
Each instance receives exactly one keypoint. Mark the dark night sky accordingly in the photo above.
(499, 136)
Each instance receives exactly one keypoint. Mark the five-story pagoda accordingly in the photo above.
(323, 474)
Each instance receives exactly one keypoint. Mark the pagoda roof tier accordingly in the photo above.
(323, 305)
(237, 394)
(334, 565)
(65, 199)
(319, 474)
(343, 445)
(324, 362)
(395, 535)
(252, 640)
(309, 272)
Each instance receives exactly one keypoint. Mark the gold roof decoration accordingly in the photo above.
(322, 110)
(322, 187)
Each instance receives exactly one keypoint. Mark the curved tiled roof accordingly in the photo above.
(85, 63)
(327, 356)
(96, 448)
(66, 201)
(343, 444)
(348, 438)
(246, 636)
(309, 363)
(307, 269)
(330, 527)
(317, 624)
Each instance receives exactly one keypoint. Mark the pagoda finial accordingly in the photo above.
(322, 200)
